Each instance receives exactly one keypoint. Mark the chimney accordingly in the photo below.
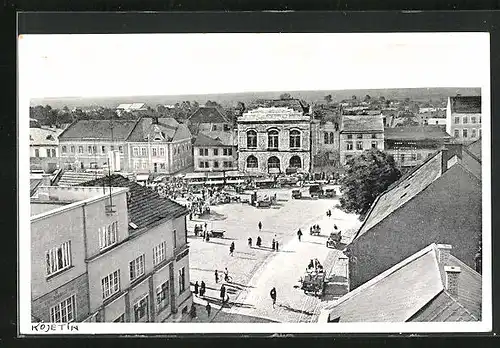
(443, 253)
(45, 180)
(452, 275)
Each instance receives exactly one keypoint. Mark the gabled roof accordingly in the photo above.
(294, 104)
(167, 129)
(145, 206)
(475, 148)
(98, 129)
(416, 133)
(44, 136)
(413, 290)
(208, 114)
(402, 191)
(466, 104)
(362, 123)
(214, 138)
(70, 178)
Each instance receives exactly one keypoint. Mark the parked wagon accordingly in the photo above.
(296, 194)
(314, 279)
(217, 233)
(315, 230)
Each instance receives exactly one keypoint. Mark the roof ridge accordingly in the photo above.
(385, 274)
(133, 128)
(460, 305)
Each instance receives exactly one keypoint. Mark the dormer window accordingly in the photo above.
(49, 137)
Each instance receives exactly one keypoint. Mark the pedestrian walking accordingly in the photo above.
(259, 241)
(274, 244)
(250, 242)
(196, 286)
(208, 308)
(335, 226)
(216, 276)
(273, 295)
(206, 226)
(277, 244)
(226, 275)
(193, 311)
(202, 288)
(231, 249)
(299, 234)
(260, 226)
(222, 293)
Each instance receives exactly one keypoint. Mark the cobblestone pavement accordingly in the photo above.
(256, 270)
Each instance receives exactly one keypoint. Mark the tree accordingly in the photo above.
(328, 98)
(285, 96)
(381, 99)
(366, 177)
(354, 97)
(367, 97)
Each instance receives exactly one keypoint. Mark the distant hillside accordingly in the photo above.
(415, 94)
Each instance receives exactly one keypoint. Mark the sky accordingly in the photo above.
(173, 64)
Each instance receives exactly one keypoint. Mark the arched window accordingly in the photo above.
(327, 139)
(252, 162)
(272, 139)
(294, 139)
(331, 138)
(273, 162)
(251, 139)
(295, 162)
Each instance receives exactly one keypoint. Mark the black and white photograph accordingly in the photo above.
(254, 182)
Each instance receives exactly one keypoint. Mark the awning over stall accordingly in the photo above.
(142, 177)
(195, 176)
(215, 175)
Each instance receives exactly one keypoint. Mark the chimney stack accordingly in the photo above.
(444, 253)
(452, 275)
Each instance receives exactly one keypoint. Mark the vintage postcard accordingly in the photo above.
(254, 183)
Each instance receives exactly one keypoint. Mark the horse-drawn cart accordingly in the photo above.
(315, 230)
(314, 279)
(217, 233)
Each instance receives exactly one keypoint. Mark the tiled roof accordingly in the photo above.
(416, 133)
(44, 136)
(294, 104)
(215, 138)
(208, 114)
(69, 178)
(360, 123)
(466, 105)
(167, 128)
(98, 129)
(413, 290)
(475, 148)
(145, 206)
(402, 191)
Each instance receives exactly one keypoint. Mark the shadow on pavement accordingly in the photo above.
(311, 242)
(245, 258)
(288, 308)
(337, 279)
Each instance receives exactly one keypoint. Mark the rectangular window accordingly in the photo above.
(175, 239)
(80, 149)
(103, 149)
(144, 165)
(72, 149)
(457, 120)
(64, 312)
(349, 136)
(359, 145)
(89, 149)
(349, 145)
(480, 133)
(53, 152)
(137, 267)
(413, 156)
(216, 152)
(58, 258)
(182, 280)
(108, 235)
(374, 144)
(135, 150)
(159, 253)
(325, 138)
(162, 165)
(155, 151)
(228, 164)
(162, 151)
(465, 119)
(37, 153)
(214, 127)
(402, 158)
(457, 133)
(110, 284)
(473, 119)
(201, 152)
(374, 136)
(216, 164)
(120, 148)
(141, 309)
(144, 151)
(162, 296)
(136, 165)
(464, 133)
(120, 319)
(359, 136)
(63, 149)
(228, 151)
(473, 133)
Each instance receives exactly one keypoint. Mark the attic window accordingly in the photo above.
(407, 185)
(404, 194)
(131, 224)
(49, 137)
